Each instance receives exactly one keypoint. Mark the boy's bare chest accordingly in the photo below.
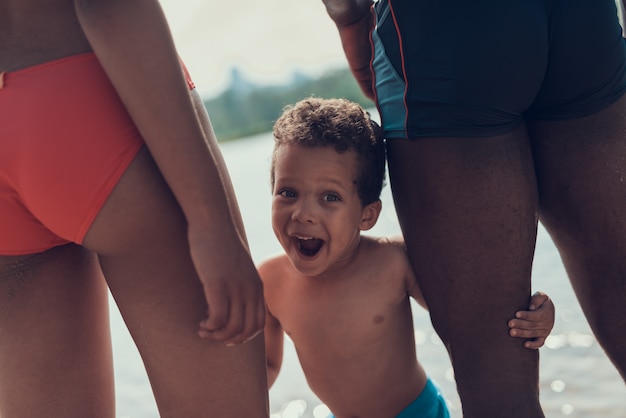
(339, 312)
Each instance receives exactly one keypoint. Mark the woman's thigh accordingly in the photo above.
(141, 238)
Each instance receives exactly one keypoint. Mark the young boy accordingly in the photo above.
(343, 298)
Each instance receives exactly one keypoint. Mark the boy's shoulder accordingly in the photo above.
(271, 266)
(386, 251)
(391, 252)
(386, 245)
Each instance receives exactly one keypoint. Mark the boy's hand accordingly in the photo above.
(536, 323)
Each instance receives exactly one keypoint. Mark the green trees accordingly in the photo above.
(244, 110)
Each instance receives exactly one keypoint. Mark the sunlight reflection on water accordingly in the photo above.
(572, 339)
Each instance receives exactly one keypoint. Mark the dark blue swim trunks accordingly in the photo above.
(478, 68)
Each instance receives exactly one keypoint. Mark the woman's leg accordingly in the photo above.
(55, 346)
(141, 237)
(581, 171)
(467, 208)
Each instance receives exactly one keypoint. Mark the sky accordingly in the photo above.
(267, 40)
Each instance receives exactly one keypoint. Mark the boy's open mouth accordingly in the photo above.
(308, 246)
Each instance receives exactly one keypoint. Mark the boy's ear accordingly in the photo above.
(370, 214)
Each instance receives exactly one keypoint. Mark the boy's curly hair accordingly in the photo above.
(342, 124)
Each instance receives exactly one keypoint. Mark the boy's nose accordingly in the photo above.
(303, 212)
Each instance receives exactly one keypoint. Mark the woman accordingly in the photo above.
(111, 175)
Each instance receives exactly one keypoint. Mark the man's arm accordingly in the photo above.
(133, 43)
(354, 22)
(622, 6)
(536, 323)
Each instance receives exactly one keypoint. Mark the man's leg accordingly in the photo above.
(467, 208)
(581, 173)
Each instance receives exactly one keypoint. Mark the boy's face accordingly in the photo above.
(316, 212)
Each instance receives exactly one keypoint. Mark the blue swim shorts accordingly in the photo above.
(479, 68)
(429, 404)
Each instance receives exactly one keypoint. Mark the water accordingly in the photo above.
(576, 378)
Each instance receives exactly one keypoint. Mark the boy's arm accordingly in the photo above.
(415, 291)
(354, 22)
(271, 273)
(274, 340)
(133, 43)
(412, 284)
(536, 323)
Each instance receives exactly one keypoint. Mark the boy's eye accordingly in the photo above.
(331, 197)
(287, 193)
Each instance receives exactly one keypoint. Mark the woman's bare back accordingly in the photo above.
(36, 31)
